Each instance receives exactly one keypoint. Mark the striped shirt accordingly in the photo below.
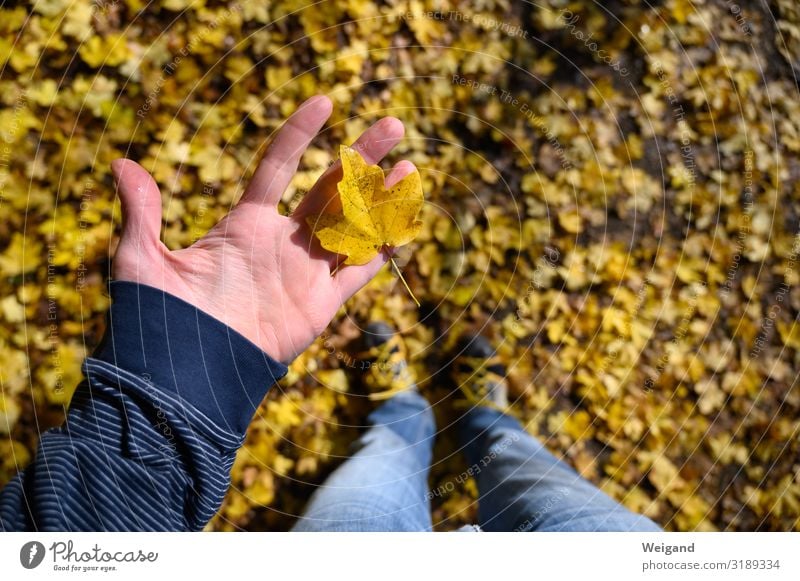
(153, 429)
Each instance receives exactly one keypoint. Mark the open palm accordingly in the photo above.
(257, 271)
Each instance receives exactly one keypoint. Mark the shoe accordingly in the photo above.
(383, 360)
(480, 375)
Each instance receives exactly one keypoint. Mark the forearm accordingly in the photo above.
(153, 430)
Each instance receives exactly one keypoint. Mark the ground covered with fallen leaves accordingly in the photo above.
(612, 194)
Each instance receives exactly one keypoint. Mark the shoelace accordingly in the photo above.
(388, 373)
(477, 382)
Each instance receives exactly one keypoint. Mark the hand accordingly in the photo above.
(260, 273)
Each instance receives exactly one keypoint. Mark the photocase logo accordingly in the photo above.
(31, 554)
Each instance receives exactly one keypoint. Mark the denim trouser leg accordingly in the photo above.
(384, 485)
(523, 487)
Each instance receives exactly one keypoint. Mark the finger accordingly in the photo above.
(373, 145)
(141, 204)
(348, 280)
(280, 161)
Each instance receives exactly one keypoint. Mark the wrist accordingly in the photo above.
(181, 349)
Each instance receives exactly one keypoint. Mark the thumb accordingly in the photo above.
(141, 204)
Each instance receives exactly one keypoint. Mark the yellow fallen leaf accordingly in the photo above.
(571, 222)
(9, 414)
(372, 216)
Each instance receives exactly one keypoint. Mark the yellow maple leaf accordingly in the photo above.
(372, 215)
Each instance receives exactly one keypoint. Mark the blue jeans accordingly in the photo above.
(521, 486)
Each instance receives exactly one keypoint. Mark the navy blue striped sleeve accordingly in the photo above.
(152, 431)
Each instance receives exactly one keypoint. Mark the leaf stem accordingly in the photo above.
(403, 280)
(339, 265)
